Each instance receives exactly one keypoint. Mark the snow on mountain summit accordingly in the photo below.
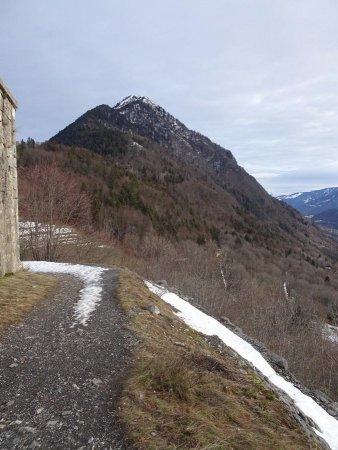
(151, 119)
(134, 99)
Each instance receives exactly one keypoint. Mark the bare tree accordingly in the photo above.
(50, 200)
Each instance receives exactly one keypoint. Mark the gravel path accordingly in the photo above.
(59, 385)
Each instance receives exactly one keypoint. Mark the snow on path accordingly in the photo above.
(327, 426)
(90, 295)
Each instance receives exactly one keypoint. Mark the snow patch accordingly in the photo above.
(134, 98)
(297, 194)
(326, 425)
(137, 146)
(126, 101)
(90, 294)
(328, 191)
(285, 289)
(330, 332)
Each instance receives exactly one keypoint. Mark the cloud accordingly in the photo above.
(257, 77)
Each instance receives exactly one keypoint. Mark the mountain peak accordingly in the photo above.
(138, 115)
(131, 99)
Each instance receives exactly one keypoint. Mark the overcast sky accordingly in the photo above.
(259, 77)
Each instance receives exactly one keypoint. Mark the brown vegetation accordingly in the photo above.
(50, 199)
(148, 190)
(184, 393)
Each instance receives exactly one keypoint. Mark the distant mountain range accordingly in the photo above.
(321, 205)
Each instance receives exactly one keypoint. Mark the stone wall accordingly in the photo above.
(9, 239)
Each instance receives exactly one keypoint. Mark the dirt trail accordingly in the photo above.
(59, 385)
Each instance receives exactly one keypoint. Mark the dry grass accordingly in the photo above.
(183, 393)
(19, 293)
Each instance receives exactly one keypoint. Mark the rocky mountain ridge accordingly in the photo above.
(148, 118)
(140, 116)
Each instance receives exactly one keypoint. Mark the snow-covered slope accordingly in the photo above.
(326, 426)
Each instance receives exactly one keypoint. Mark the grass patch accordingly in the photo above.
(183, 393)
(19, 293)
